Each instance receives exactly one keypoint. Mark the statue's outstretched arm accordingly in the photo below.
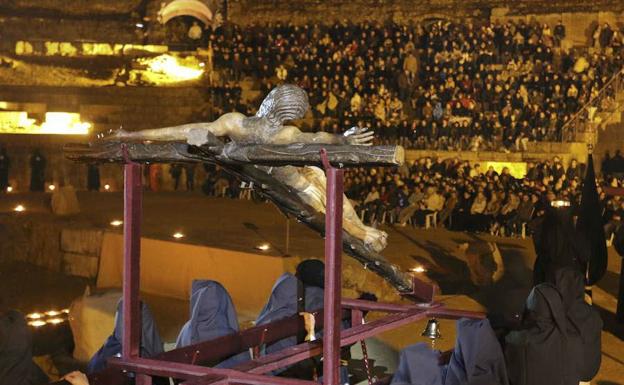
(194, 133)
(354, 136)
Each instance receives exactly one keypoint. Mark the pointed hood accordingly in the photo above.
(590, 225)
(212, 314)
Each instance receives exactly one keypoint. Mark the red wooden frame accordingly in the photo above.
(185, 363)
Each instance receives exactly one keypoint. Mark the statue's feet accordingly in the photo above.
(375, 239)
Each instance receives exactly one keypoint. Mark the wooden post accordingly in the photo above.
(333, 270)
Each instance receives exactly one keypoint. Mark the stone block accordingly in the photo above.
(81, 241)
(80, 265)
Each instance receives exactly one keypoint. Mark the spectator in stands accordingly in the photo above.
(5, 166)
(37, 171)
(195, 33)
(189, 169)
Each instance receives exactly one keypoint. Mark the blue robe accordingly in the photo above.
(418, 365)
(477, 358)
(151, 344)
(283, 304)
(212, 315)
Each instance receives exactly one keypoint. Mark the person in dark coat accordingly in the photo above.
(190, 176)
(93, 177)
(5, 166)
(151, 344)
(176, 172)
(16, 364)
(37, 171)
(618, 244)
(212, 315)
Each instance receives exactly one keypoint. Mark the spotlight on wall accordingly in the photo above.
(116, 223)
(9, 189)
(178, 235)
(19, 208)
(37, 323)
(55, 321)
(418, 269)
(106, 187)
(263, 247)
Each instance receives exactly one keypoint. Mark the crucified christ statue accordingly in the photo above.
(283, 104)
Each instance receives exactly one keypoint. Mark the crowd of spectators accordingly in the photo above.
(465, 197)
(461, 196)
(435, 85)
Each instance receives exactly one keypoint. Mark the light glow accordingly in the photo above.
(61, 123)
(170, 69)
(55, 321)
(106, 187)
(37, 323)
(34, 315)
(418, 269)
(178, 235)
(64, 123)
(19, 208)
(52, 313)
(51, 187)
(9, 189)
(116, 223)
(263, 247)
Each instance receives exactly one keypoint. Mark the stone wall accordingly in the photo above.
(41, 241)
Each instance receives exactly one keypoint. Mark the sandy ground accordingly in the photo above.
(242, 225)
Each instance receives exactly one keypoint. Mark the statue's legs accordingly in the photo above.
(311, 183)
(315, 195)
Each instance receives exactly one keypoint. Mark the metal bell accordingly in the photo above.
(432, 330)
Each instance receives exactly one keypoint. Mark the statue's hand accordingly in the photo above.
(112, 135)
(359, 136)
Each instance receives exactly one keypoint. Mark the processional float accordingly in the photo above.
(254, 163)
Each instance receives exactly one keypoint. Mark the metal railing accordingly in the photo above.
(584, 120)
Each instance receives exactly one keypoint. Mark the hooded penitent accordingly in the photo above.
(284, 303)
(477, 358)
(583, 322)
(151, 344)
(558, 245)
(590, 226)
(212, 314)
(543, 351)
(418, 365)
(16, 364)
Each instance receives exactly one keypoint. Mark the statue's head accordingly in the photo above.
(285, 102)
